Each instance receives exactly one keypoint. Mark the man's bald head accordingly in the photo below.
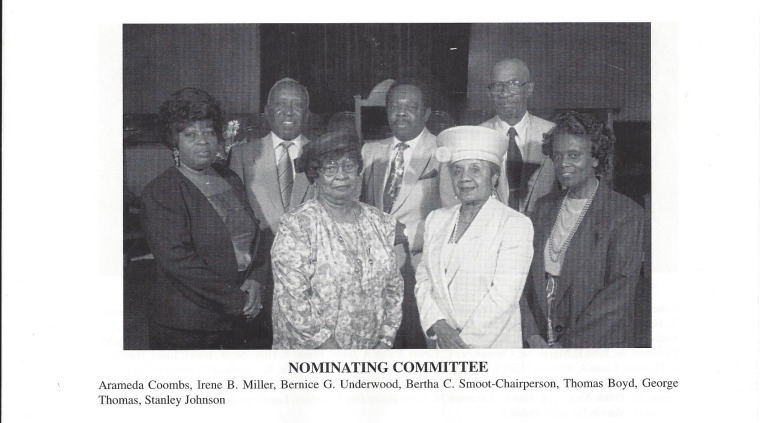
(514, 66)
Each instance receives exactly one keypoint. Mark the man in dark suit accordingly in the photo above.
(272, 186)
(401, 178)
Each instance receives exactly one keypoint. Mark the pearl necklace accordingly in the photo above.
(555, 254)
(454, 238)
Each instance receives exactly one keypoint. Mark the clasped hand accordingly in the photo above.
(255, 295)
(448, 337)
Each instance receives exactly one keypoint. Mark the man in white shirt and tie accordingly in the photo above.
(266, 167)
(401, 177)
(528, 173)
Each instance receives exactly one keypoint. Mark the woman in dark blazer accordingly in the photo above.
(202, 233)
(588, 244)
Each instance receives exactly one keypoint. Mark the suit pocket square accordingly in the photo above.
(432, 174)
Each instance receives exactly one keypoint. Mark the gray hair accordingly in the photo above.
(289, 81)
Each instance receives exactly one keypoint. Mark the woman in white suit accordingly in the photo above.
(476, 254)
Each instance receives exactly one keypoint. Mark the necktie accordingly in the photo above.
(285, 173)
(514, 170)
(395, 176)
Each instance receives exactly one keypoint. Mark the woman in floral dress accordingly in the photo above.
(336, 283)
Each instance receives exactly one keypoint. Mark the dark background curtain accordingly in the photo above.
(337, 61)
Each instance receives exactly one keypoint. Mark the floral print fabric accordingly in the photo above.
(335, 280)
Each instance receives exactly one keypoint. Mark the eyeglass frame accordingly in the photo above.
(513, 85)
(340, 165)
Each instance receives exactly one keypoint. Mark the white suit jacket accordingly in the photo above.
(538, 169)
(255, 163)
(419, 193)
(479, 291)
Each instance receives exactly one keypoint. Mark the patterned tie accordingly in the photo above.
(395, 176)
(285, 173)
(514, 170)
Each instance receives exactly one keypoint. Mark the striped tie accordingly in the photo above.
(285, 173)
(395, 176)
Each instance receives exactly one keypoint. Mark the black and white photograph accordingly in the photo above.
(543, 266)
(380, 212)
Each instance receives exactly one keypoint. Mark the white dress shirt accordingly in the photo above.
(521, 128)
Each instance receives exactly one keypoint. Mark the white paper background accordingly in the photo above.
(62, 239)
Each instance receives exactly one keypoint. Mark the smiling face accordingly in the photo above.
(406, 111)
(197, 145)
(511, 104)
(574, 164)
(473, 180)
(285, 110)
(339, 179)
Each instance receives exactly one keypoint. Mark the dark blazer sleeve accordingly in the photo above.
(257, 253)
(165, 219)
(607, 321)
(527, 301)
(529, 325)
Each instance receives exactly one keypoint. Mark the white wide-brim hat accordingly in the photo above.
(471, 142)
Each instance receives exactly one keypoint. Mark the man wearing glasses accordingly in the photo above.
(528, 173)
(401, 178)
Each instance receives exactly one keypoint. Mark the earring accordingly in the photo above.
(175, 156)
(493, 192)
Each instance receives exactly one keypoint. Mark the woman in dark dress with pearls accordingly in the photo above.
(588, 243)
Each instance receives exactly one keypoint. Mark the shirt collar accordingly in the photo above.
(413, 142)
(297, 143)
(521, 126)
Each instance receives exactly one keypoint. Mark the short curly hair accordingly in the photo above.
(330, 146)
(183, 108)
(587, 125)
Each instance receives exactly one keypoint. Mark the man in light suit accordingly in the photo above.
(266, 168)
(401, 178)
(527, 173)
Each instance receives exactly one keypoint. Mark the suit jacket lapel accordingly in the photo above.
(533, 176)
(529, 167)
(267, 166)
(380, 170)
(438, 277)
(481, 227)
(423, 153)
(581, 246)
(300, 185)
(543, 230)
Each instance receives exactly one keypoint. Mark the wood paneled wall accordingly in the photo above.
(222, 59)
(574, 65)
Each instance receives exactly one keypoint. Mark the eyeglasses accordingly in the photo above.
(513, 85)
(330, 169)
